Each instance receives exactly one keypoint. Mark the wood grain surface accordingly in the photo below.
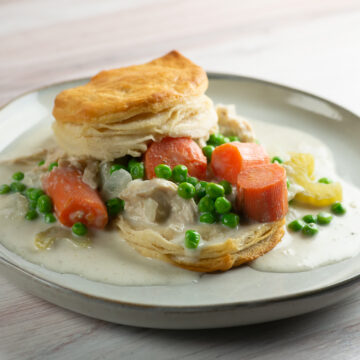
(312, 45)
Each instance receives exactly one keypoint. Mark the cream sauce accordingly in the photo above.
(111, 260)
(334, 242)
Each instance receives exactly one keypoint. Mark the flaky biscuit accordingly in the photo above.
(195, 117)
(155, 220)
(119, 112)
(232, 252)
(119, 94)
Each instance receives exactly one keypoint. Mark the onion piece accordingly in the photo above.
(44, 240)
(113, 184)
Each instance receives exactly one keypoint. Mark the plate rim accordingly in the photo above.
(187, 308)
(192, 308)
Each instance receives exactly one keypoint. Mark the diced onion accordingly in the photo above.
(44, 240)
(113, 184)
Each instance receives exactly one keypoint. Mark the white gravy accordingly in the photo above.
(111, 260)
(334, 242)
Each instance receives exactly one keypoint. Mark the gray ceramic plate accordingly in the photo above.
(237, 297)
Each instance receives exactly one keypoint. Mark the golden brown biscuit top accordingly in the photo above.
(115, 95)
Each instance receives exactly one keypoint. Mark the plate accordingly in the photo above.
(237, 297)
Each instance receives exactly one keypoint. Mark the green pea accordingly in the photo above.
(207, 151)
(216, 140)
(116, 167)
(41, 163)
(33, 193)
(44, 204)
(287, 183)
(206, 204)
(200, 188)
(49, 218)
(222, 205)
(115, 206)
(325, 180)
(310, 219)
(207, 218)
(28, 191)
(163, 171)
(32, 204)
(234, 138)
(132, 162)
(214, 190)
(186, 190)
(79, 229)
(337, 208)
(4, 189)
(192, 239)
(227, 187)
(296, 225)
(136, 169)
(179, 173)
(276, 159)
(18, 176)
(31, 215)
(192, 180)
(17, 186)
(310, 229)
(52, 165)
(231, 220)
(324, 218)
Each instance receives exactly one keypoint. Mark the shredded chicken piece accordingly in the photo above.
(48, 155)
(90, 175)
(89, 168)
(28, 159)
(155, 203)
(232, 124)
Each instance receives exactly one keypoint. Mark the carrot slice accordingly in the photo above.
(229, 159)
(74, 201)
(262, 192)
(176, 151)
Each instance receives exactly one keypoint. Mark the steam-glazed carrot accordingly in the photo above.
(262, 192)
(74, 201)
(176, 151)
(229, 159)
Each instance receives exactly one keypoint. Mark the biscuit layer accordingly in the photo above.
(195, 118)
(119, 94)
(119, 112)
(156, 218)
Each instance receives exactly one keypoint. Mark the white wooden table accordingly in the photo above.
(312, 45)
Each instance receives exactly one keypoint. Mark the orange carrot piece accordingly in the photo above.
(74, 201)
(262, 192)
(229, 159)
(176, 151)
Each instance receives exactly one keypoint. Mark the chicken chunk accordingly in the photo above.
(156, 203)
(232, 124)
